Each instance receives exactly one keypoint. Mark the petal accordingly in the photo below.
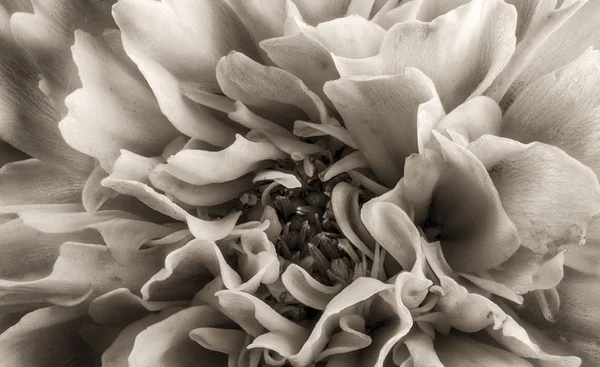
(161, 60)
(538, 115)
(277, 94)
(47, 35)
(577, 320)
(118, 353)
(467, 189)
(28, 119)
(370, 109)
(392, 228)
(125, 237)
(94, 194)
(254, 316)
(447, 51)
(304, 57)
(423, 10)
(315, 11)
(201, 167)
(351, 337)
(167, 342)
(560, 47)
(452, 351)
(115, 109)
(48, 336)
(548, 195)
(478, 116)
(29, 254)
(352, 36)
(190, 30)
(263, 20)
(82, 267)
(308, 129)
(360, 290)
(422, 350)
(120, 307)
(220, 340)
(35, 182)
(586, 258)
(188, 269)
(199, 195)
(344, 203)
(9, 154)
(306, 289)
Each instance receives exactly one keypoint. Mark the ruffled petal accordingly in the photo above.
(274, 92)
(47, 35)
(392, 228)
(199, 195)
(542, 112)
(371, 108)
(315, 11)
(201, 167)
(120, 307)
(351, 337)
(118, 352)
(547, 194)
(27, 253)
(81, 268)
(190, 30)
(48, 336)
(344, 203)
(161, 60)
(422, 10)
(352, 36)
(167, 342)
(29, 122)
(478, 116)
(447, 51)
(574, 34)
(115, 109)
(466, 195)
(306, 289)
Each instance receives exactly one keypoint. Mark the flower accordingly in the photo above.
(305, 183)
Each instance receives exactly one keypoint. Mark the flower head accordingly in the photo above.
(300, 182)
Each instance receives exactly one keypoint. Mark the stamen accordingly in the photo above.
(321, 263)
(327, 244)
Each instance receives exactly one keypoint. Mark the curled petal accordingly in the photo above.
(344, 201)
(422, 350)
(494, 287)
(287, 180)
(371, 109)
(308, 129)
(200, 195)
(226, 341)
(167, 342)
(306, 289)
(94, 194)
(351, 337)
(200, 167)
(315, 11)
(189, 31)
(392, 228)
(115, 109)
(447, 51)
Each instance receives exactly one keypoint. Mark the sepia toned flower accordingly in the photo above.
(299, 183)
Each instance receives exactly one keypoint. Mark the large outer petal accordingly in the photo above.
(461, 51)
(382, 114)
(28, 120)
(562, 109)
(549, 195)
(47, 35)
(563, 46)
(115, 109)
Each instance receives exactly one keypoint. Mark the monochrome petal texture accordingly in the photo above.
(307, 183)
